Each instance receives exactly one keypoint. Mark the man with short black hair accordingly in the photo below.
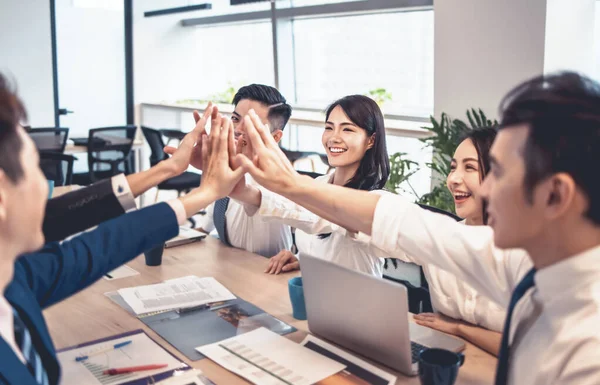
(229, 217)
(542, 259)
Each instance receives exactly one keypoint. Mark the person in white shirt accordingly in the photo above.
(540, 255)
(460, 309)
(227, 216)
(354, 140)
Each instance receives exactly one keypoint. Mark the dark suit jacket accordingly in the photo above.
(58, 271)
(80, 210)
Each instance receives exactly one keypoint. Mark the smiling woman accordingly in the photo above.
(469, 166)
(354, 139)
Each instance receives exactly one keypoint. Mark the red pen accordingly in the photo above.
(132, 369)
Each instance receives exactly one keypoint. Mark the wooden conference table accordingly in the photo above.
(90, 315)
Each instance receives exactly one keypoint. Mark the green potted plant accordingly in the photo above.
(380, 95)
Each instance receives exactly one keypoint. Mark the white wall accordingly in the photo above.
(26, 55)
(570, 29)
(482, 49)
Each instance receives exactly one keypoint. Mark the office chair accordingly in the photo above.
(109, 153)
(182, 183)
(51, 139)
(419, 299)
(57, 167)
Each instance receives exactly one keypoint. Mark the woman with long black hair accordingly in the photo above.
(354, 140)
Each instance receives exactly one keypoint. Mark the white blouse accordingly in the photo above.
(554, 331)
(454, 298)
(340, 247)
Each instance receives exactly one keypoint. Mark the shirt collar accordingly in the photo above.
(569, 274)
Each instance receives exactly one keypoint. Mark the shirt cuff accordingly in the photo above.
(123, 193)
(389, 212)
(179, 210)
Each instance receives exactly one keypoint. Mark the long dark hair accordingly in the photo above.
(482, 138)
(374, 168)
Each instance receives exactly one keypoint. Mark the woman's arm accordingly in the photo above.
(487, 340)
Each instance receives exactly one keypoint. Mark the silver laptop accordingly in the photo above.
(367, 315)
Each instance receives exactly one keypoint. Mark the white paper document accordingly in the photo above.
(265, 358)
(357, 371)
(140, 351)
(189, 377)
(175, 293)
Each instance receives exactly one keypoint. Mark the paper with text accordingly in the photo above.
(265, 358)
(175, 293)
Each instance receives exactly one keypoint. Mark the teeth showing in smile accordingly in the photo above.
(337, 150)
(461, 195)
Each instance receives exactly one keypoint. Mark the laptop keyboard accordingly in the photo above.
(415, 349)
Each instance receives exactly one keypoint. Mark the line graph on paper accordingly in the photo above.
(97, 370)
(141, 351)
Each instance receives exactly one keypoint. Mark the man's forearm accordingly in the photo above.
(197, 200)
(250, 195)
(143, 181)
(352, 209)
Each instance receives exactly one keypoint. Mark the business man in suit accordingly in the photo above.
(34, 281)
(82, 209)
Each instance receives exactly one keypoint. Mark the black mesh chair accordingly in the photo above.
(49, 139)
(57, 167)
(419, 299)
(109, 153)
(182, 183)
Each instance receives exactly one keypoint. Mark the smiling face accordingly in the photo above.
(464, 182)
(345, 143)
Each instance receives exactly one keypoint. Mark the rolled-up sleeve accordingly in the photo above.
(402, 227)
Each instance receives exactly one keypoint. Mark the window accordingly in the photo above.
(234, 56)
(340, 56)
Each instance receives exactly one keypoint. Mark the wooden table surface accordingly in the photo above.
(90, 315)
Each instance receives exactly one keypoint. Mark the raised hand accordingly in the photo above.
(268, 166)
(189, 151)
(218, 150)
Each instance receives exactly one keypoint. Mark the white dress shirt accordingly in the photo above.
(249, 232)
(454, 298)
(340, 247)
(555, 333)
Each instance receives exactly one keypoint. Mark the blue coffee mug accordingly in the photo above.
(297, 298)
(50, 188)
(439, 366)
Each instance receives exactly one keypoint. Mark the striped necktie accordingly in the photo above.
(503, 358)
(219, 219)
(23, 340)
